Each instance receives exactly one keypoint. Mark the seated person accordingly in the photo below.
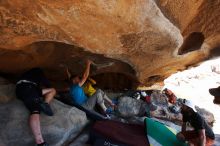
(89, 90)
(88, 87)
(202, 134)
(78, 95)
(31, 86)
(170, 95)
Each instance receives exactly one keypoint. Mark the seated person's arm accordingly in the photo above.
(202, 137)
(86, 73)
(184, 119)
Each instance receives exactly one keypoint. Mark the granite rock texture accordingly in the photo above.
(57, 130)
(141, 41)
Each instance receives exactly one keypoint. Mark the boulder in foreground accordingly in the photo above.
(57, 130)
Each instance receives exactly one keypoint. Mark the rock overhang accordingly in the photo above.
(142, 37)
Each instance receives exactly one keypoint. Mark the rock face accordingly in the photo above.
(57, 130)
(129, 107)
(7, 91)
(165, 111)
(143, 41)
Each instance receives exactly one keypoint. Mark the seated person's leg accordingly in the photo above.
(29, 95)
(105, 97)
(34, 122)
(91, 102)
(49, 94)
(191, 136)
(44, 105)
(91, 114)
(100, 99)
(95, 99)
(180, 136)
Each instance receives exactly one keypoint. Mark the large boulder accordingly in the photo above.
(57, 130)
(130, 107)
(209, 117)
(81, 140)
(158, 98)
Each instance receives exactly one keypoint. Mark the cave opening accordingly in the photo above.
(191, 43)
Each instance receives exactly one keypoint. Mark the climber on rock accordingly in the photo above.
(96, 96)
(202, 134)
(36, 93)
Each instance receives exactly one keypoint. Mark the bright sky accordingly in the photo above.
(194, 84)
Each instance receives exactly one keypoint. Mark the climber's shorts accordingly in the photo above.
(30, 94)
(193, 137)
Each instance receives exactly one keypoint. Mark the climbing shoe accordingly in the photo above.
(107, 117)
(109, 110)
(45, 108)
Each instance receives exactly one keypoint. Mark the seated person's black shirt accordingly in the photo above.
(36, 76)
(198, 123)
(28, 89)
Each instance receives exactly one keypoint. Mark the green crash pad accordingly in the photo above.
(161, 133)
